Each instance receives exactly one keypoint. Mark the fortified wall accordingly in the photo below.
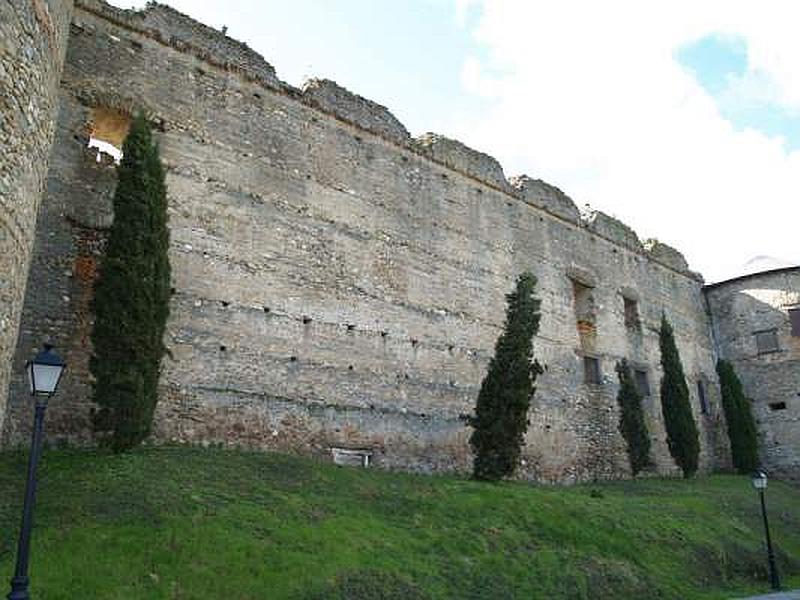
(33, 38)
(756, 322)
(338, 284)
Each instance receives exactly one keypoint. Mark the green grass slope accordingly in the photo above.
(193, 523)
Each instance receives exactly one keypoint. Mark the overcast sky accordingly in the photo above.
(681, 118)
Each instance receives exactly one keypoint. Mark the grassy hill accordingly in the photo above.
(193, 523)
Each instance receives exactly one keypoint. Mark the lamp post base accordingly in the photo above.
(19, 589)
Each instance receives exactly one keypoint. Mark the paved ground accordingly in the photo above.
(787, 595)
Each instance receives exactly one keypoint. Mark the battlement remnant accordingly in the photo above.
(332, 98)
(179, 31)
(173, 28)
(613, 229)
(667, 255)
(461, 157)
(543, 195)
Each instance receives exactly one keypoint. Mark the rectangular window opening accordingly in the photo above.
(777, 405)
(591, 371)
(794, 318)
(632, 314)
(642, 382)
(584, 303)
(767, 341)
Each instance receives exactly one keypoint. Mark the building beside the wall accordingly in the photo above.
(338, 284)
(756, 324)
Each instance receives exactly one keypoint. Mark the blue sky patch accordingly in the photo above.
(719, 63)
(714, 59)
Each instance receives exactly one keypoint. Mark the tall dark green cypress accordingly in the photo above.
(739, 418)
(501, 411)
(682, 436)
(631, 419)
(131, 296)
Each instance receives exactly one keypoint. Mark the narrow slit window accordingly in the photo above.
(777, 406)
(701, 395)
(767, 341)
(584, 303)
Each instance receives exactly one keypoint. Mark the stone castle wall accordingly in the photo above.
(33, 38)
(337, 282)
(756, 304)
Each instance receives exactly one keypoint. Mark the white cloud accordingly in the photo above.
(589, 96)
(462, 10)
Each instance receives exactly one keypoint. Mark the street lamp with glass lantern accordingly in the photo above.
(44, 374)
(760, 483)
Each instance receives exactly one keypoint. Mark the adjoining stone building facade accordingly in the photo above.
(756, 323)
(338, 283)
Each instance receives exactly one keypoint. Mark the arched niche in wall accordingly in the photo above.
(107, 130)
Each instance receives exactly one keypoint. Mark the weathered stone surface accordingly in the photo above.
(33, 38)
(613, 229)
(546, 196)
(741, 308)
(582, 275)
(336, 100)
(666, 255)
(338, 286)
(168, 26)
(456, 155)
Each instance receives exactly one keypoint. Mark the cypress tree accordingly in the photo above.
(131, 296)
(739, 418)
(682, 436)
(631, 419)
(501, 411)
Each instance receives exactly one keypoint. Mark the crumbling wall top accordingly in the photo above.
(543, 195)
(458, 156)
(613, 229)
(176, 29)
(667, 255)
(330, 97)
(170, 27)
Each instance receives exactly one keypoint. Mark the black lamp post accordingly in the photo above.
(44, 373)
(760, 483)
